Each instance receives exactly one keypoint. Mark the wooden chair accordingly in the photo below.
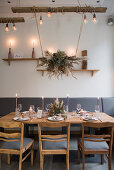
(14, 143)
(53, 144)
(96, 144)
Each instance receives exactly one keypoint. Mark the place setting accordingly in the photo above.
(27, 115)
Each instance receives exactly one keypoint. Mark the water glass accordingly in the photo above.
(96, 108)
(17, 114)
(39, 112)
(32, 107)
(19, 107)
(78, 108)
(47, 107)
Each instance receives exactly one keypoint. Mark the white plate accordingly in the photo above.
(55, 118)
(25, 111)
(24, 118)
(21, 119)
(87, 119)
(16, 118)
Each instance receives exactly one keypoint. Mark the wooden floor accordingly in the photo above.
(57, 162)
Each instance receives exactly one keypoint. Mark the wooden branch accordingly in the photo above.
(77, 9)
(12, 20)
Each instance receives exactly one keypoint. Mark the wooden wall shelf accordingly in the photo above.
(92, 71)
(19, 59)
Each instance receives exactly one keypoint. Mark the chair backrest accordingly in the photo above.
(54, 137)
(107, 137)
(13, 131)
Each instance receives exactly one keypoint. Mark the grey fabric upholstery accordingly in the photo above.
(87, 103)
(14, 145)
(108, 105)
(54, 145)
(95, 145)
(7, 105)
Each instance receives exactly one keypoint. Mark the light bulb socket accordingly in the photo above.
(14, 27)
(7, 28)
(94, 18)
(41, 21)
(40, 17)
(49, 12)
(85, 19)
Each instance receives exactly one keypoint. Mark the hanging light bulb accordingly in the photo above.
(85, 19)
(14, 27)
(7, 28)
(49, 12)
(41, 21)
(94, 18)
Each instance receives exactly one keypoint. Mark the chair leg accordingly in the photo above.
(20, 162)
(102, 159)
(83, 161)
(32, 154)
(8, 159)
(0, 161)
(41, 161)
(109, 161)
(78, 156)
(67, 161)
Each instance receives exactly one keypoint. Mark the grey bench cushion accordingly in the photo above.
(95, 145)
(108, 105)
(54, 145)
(14, 145)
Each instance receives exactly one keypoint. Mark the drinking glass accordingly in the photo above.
(78, 108)
(96, 109)
(47, 107)
(32, 107)
(39, 112)
(19, 107)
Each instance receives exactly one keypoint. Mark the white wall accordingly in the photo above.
(59, 32)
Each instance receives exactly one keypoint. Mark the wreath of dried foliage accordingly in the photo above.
(59, 63)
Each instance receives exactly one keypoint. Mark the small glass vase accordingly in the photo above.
(10, 54)
(33, 53)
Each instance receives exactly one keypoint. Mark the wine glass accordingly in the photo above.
(32, 107)
(78, 108)
(96, 108)
(19, 107)
(39, 112)
(47, 107)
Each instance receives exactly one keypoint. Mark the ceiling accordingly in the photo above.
(5, 7)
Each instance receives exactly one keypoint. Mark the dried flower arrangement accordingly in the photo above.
(59, 63)
(56, 108)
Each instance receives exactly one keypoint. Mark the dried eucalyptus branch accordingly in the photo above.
(59, 63)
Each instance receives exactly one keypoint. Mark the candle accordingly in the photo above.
(16, 101)
(42, 104)
(67, 99)
(33, 43)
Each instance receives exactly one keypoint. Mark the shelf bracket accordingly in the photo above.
(42, 73)
(92, 73)
(9, 62)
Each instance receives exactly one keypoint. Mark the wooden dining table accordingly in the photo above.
(72, 120)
